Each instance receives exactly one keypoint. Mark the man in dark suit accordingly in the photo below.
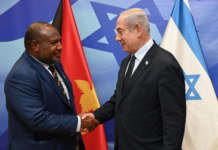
(39, 97)
(149, 103)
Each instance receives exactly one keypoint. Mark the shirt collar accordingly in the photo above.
(143, 50)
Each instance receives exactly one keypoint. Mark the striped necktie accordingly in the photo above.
(54, 74)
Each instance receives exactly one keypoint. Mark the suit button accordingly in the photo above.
(119, 111)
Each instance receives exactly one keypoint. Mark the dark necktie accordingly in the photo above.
(129, 71)
(54, 74)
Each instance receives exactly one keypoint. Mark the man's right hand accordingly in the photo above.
(88, 122)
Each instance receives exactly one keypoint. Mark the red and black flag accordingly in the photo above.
(75, 65)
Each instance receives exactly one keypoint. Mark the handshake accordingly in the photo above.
(88, 122)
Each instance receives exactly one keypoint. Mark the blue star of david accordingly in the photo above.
(108, 26)
(192, 93)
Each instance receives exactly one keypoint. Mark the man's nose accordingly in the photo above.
(60, 47)
(117, 38)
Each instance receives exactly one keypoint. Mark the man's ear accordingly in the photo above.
(138, 28)
(35, 46)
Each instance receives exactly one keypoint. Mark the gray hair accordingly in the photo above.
(136, 15)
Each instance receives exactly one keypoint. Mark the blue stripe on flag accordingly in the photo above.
(185, 23)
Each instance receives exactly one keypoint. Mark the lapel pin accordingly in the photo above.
(63, 75)
(146, 62)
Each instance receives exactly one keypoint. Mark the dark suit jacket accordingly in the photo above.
(37, 108)
(150, 113)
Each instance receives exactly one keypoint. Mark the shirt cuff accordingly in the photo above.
(78, 124)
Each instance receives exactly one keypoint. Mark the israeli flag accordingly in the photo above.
(181, 39)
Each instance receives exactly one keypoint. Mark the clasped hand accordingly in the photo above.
(88, 122)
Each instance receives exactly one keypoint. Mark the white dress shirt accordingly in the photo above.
(65, 88)
(140, 54)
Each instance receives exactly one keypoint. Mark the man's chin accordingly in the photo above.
(126, 51)
(55, 60)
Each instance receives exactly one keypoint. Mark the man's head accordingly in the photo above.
(43, 42)
(133, 30)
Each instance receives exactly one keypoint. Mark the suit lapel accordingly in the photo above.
(122, 72)
(44, 74)
(50, 80)
(144, 64)
(67, 83)
(64, 77)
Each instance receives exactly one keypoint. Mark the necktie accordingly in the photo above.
(54, 74)
(129, 71)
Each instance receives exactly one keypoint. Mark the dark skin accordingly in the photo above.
(48, 51)
(88, 123)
